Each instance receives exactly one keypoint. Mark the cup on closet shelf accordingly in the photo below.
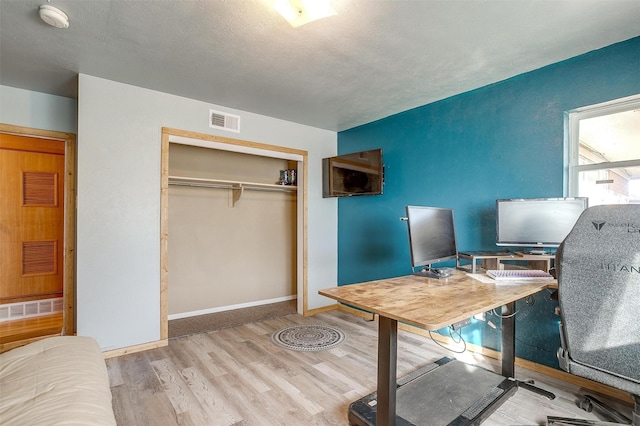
(283, 177)
(291, 177)
(287, 177)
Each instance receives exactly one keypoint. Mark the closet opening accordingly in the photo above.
(233, 226)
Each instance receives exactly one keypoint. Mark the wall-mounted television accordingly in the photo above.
(359, 173)
(536, 222)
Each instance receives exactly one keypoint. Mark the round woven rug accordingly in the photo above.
(309, 337)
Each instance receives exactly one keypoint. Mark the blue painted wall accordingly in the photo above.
(500, 141)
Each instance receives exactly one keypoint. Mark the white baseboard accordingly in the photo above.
(230, 307)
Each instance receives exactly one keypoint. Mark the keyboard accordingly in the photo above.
(519, 275)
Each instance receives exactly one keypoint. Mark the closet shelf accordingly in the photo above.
(236, 187)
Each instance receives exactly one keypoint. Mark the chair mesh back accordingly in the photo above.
(598, 267)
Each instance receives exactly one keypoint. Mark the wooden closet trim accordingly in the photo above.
(68, 279)
(236, 145)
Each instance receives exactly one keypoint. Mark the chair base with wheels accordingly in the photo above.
(588, 403)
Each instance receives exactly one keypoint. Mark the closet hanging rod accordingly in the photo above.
(228, 184)
(237, 187)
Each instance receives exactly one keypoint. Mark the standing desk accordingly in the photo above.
(430, 304)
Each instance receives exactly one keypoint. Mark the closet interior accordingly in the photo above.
(232, 230)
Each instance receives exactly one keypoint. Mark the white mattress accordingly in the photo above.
(55, 381)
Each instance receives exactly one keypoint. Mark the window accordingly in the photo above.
(603, 152)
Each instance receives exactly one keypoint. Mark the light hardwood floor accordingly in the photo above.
(20, 332)
(238, 376)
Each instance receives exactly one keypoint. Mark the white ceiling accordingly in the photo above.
(373, 59)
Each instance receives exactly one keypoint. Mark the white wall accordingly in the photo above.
(37, 110)
(118, 249)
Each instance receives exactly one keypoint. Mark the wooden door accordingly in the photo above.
(31, 218)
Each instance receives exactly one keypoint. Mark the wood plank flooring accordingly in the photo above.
(238, 376)
(22, 331)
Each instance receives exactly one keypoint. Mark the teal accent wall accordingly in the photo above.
(504, 140)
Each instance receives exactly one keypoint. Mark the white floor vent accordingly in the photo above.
(224, 121)
(33, 308)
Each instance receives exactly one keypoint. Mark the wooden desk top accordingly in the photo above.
(431, 303)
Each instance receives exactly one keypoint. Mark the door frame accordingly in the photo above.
(236, 145)
(68, 275)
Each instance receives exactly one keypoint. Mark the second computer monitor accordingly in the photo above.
(536, 222)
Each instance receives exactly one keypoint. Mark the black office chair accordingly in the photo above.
(598, 270)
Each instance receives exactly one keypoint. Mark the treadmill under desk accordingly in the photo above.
(447, 392)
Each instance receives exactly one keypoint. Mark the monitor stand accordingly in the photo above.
(539, 252)
(437, 273)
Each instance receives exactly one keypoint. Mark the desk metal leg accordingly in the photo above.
(509, 350)
(508, 340)
(387, 368)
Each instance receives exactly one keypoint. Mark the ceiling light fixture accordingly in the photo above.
(300, 12)
(54, 16)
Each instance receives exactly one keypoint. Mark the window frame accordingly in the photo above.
(572, 140)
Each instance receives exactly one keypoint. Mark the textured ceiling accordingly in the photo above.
(373, 59)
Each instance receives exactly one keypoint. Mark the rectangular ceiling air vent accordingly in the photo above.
(224, 121)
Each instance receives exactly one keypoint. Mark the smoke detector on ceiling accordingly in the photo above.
(54, 16)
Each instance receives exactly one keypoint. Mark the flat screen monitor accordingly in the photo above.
(432, 236)
(536, 222)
